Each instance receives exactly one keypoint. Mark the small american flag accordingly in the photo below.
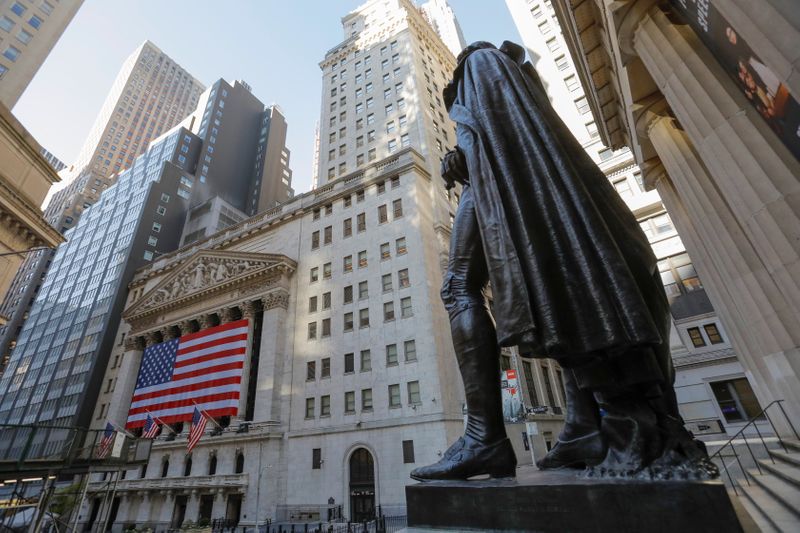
(150, 428)
(201, 369)
(104, 446)
(199, 422)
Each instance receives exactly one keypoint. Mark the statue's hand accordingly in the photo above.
(454, 168)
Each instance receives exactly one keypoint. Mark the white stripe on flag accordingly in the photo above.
(233, 387)
(212, 349)
(189, 381)
(212, 337)
(206, 364)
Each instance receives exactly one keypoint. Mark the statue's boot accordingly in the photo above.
(631, 431)
(580, 443)
(484, 448)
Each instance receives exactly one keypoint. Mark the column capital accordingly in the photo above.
(185, 327)
(151, 338)
(248, 309)
(627, 15)
(276, 299)
(653, 171)
(225, 315)
(135, 343)
(204, 321)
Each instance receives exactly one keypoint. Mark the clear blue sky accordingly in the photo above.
(275, 46)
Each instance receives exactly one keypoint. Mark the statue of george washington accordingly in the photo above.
(572, 278)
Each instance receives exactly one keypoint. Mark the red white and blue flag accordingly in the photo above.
(104, 446)
(202, 369)
(150, 428)
(199, 421)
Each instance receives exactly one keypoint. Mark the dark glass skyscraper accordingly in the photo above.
(55, 370)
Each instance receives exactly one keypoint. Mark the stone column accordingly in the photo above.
(751, 302)
(167, 506)
(749, 219)
(145, 512)
(126, 378)
(192, 506)
(272, 357)
(249, 313)
(219, 508)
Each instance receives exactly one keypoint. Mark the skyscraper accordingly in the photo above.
(442, 19)
(28, 31)
(351, 377)
(55, 370)
(706, 364)
(150, 94)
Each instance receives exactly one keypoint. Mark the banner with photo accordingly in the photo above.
(759, 84)
(513, 410)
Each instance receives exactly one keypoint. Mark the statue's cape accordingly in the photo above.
(571, 271)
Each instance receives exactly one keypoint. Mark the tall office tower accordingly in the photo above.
(28, 31)
(441, 17)
(151, 94)
(711, 385)
(55, 369)
(55, 162)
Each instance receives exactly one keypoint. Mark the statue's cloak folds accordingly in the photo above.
(571, 270)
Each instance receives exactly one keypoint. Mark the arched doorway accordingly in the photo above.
(362, 485)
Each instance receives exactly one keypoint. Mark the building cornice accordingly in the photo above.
(19, 216)
(298, 206)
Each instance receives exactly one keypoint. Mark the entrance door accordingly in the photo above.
(234, 508)
(362, 486)
(179, 513)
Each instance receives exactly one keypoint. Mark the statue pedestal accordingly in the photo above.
(561, 501)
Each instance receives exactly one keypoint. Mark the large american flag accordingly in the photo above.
(201, 369)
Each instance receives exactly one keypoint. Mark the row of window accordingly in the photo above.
(361, 224)
(408, 455)
(403, 282)
(406, 311)
(347, 261)
(392, 354)
(347, 201)
(394, 400)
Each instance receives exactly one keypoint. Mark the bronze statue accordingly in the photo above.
(572, 278)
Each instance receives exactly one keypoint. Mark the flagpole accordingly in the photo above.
(208, 416)
(163, 424)
(116, 427)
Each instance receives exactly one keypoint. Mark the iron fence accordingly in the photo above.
(732, 459)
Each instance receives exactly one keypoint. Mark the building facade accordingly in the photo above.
(151, 94)
(352, 381)
(706, 99)
(704, 359)
(56, 370)
(25, 177)
(28, 31)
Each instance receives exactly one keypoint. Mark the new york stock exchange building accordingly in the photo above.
(346, 381)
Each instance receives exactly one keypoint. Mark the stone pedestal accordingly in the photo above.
(563, 501)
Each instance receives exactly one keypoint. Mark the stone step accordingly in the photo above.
(789, 458)
(768, 514)
(782, 491)
(786, 471)
(792, 444)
